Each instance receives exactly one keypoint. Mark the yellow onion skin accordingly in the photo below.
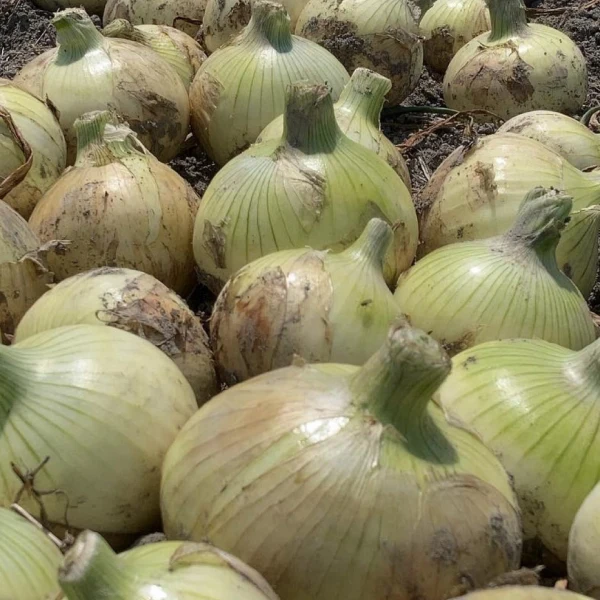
(583, 558)
(89, 72)
(305, 303)
(369, 480)
(241, 88)
(563, 134)
(29, 561)
(314, 187)
(528, 592)
(516, 68)
(507, 286)
(104, 406)
(448, 25)
(39, 127)
(135, 302)
(119, 207)
(381, 36)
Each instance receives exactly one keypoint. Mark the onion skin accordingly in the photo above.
(528, 592)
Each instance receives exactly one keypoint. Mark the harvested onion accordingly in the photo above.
(241, 88)
(313, 187)
(502, 287)
(134, 302)
(119, 207)
(90, 72)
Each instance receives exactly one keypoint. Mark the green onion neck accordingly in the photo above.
(373, 244)
(365, 94)
(269, 23)
(76, 34)
(123, 29)
(584, 365)
(508, 19)
(397, 383)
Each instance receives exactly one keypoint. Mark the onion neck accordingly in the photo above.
(372, 246)
(123, 29)
(269, 23)
(76, 35)
(508, 18)
(584, 366)
(365, 94)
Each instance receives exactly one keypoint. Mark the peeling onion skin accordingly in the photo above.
(381, 36)
(448, 25)
(370, 482)
(92, 7)
(304, 303)
(28, 560)
(583, 557)
(517, 67)
(507, 286)
(120, 207)
(88, 72)
(135, 302)
(121, 401)
(242, 87)
(314, 187)
(528, 592)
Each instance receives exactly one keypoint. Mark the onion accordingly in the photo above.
(570, 138)
(241, 88)
(119, 207)
(381, 36)
(357, 113)
(357, 480)
(502, 287)
(90, 72)
(90, 6)
(313, 187)
(516, 67)
(104, 406)
(161, 571)
(527, 592)
(448, 25)
(305, 303)
(40, 129)
(28, 560)
(177, 48)
(583, 557)
(134, 302)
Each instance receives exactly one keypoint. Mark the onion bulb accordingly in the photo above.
(177, 48)
(305, 303)
(567, 136)
(134, 302)
(525, 592)
(517, 67)
(312, 187)
(90, 6)
(375, 493)
(160, 571)
(507, 286)
(381, 36)
(537, 405)
(91, 72)
(584, 539)
(448, 25)
(241, 88)
(357, 113)
(119, 207)
(103, 405)
(38, 126)
(28, 560)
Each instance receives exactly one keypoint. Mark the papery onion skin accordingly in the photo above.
(104, 405)
(529, 592)
(89, 72)
(28, 560)
(39, 127)
(135, 302)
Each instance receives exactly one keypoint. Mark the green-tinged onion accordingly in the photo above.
(345, 482)
(357, 113)
(584, 541)
(448, 25)
(119, 207)
(517, 67)
(39, 128)
(134, 302)
(567, 136)
(507, 286)
(28, 560)
(160, 571)
(88, 71)
(177, 48)
(313, 187)
(381, 36)
(528, 592)
(241, 88)
(93, 411)
(320, 306)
